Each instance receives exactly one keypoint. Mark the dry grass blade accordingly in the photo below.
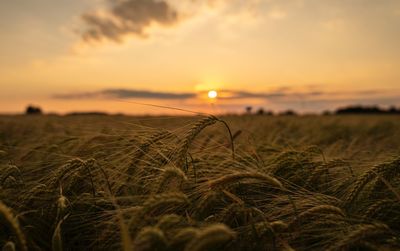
(56, 241)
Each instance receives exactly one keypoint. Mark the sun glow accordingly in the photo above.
(212, 94)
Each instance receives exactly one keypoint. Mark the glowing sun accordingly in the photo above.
(212, 94)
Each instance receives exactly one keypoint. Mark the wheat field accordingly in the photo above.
(199, 183)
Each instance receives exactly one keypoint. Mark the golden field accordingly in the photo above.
(200, 183)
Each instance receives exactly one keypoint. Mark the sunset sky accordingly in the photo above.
(107, 55)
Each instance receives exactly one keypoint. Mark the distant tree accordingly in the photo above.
(269, 113)
(360, 110)
(32, 110)
(288, 113)
(393, 110)
(260, 111)
(367, 110)
(249, 109)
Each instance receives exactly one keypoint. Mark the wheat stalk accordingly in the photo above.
(56, 241)
(72, 166)
(144, 147)
(279, 226)
(156, 205)
(324, 168)
(266, 227)
(171, 174)
(368, 176)
(236, 177)
(362, 232)
(62, 203)
(169, 221)
(214, 236)
(150, 238)
(9, 171)
(164, 202)
(316, 211)
(231, 214)
(183, 237)
(9, 246)
(378, 206)
(7, 219)
(192, 133)
(207, 203)
(195, 130)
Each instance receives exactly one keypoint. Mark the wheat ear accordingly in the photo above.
(214, 236)
(362, 232)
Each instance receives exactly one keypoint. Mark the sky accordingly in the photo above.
(118, 55)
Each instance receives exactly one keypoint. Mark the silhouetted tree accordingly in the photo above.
(260, 111)
(31, 110)
(393, 110)
(288, 113)
(269, 113)
(367, 110)
(249, 109)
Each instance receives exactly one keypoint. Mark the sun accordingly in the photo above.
(212, 94)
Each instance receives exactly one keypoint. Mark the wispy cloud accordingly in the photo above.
(223, 95)
(227, 94)
(282, 98)
(144, 94)
(127, 17)
(125, 93)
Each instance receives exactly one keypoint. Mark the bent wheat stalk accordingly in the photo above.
(195, 130)
(8, 220)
